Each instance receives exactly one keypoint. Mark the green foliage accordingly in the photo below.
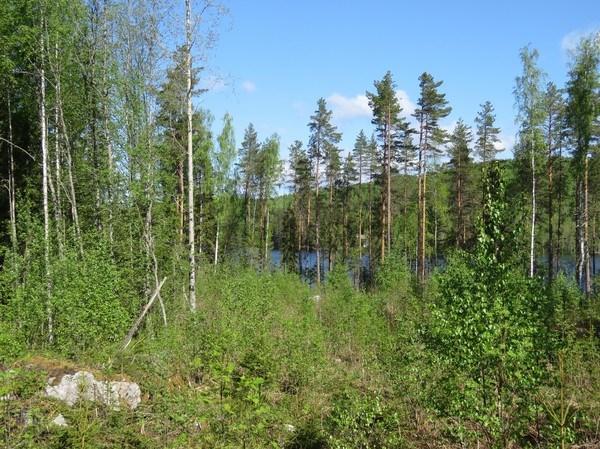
(89, 300)
(10, 345)
(488, 329)
(393, 274)
(358, 421)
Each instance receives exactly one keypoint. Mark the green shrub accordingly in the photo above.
(10, 344)
(363, 422)
(489, 330)
(89, 300)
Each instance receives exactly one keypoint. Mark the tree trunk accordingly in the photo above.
(11, 181)
(586, 239)
(56, 193)
(550, 175)
(71, 193)
(149, 242)
(137, 323)
(266, 256)
(216, 260)
(559, 211)
(422, 205)
(370, 212)
(389, 183)
(533, 214)
(107, 134)
(190, 154)
(317, 221)
(579, 250)
(360, 211)
(405, 206)
(180, 201)
(44, 144)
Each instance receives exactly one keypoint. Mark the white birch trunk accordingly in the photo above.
(44, 144)
(533, 215)
(217, 246)
(188, 40)
(11, 182)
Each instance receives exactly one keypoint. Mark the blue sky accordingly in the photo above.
(275, 59)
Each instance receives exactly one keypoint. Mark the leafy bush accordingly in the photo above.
(393, 274)
(489, 330)
(362, 422)
(88, 300)
(10, 344)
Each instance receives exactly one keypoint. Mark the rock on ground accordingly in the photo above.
(60, 421)
(83, 386)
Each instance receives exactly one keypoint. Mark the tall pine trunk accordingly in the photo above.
(550, 175)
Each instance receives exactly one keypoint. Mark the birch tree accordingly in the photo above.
(190, 157)
(223, 175)
(583, 110)
(528, 100)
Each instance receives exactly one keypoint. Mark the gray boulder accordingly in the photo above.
(83, 386)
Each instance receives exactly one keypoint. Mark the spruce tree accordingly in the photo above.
(247, 169)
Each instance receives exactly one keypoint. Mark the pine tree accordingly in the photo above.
(300, 182)
(432, 106)
(407, 161)
(553, 129)
(460, 164)
(333, 172)
(487, 133)
(391, 128)
(324, 135)
(349, 177)
(361, 159)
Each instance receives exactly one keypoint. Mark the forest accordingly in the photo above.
(413, 291)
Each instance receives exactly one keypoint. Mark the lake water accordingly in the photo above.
(567, 265)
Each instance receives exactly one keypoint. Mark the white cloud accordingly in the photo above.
(449, 126)
(349, 107)
(408, 107)
(570, 40)
(358, 106)
(248, 86)
(507, 143)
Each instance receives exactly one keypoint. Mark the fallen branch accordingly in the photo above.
(137, 323)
